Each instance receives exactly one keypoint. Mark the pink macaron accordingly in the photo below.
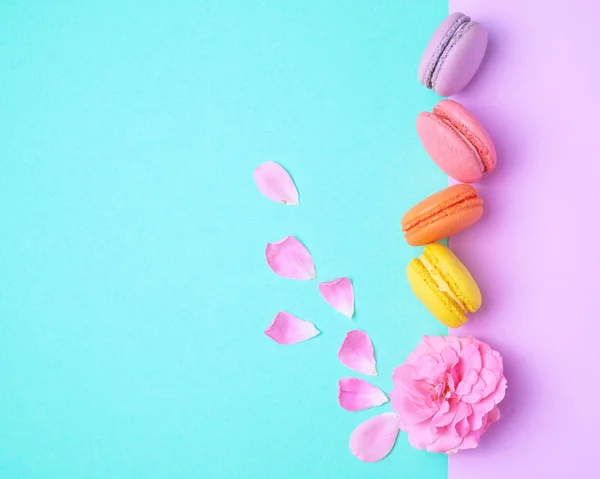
(456, 141)
(453, 55)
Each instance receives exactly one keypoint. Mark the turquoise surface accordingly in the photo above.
(133, 286)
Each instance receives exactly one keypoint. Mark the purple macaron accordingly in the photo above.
(453, 55)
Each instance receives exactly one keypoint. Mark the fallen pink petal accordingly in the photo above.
(289, 258)
(357, 353)
(374, 439)
(339, 293)
(288, 329)
(275, 183)
(357, 394)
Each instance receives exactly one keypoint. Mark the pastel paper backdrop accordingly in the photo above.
(533, 252)
(133, 289)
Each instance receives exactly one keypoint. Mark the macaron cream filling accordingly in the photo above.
(483, 154)
(451, 306)
(438, 55)
(458, 34)
(463, 200)
(467, 142)
(442, 284)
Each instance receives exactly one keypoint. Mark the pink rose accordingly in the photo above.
(446, 393)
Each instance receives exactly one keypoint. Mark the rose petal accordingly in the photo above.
(471, 377)
(469, 380)
(449, 357)
(374, 439)
(416, 391)
(420, 435)
(436, 343)
(290, 259)
(479, 410)
(410, 412)
(476, 393)
(275, 183)
(445, 444)
(357, 394)
(445, 415)
(492, 417)
(491, 381)
(471, 440)
(288, 329)
(492, 362)
(357, 353)
(463, 411)
(500, 391)
(470, 359)
(339, 293)
(430, 368)
(456, 345)
(496, 354)
(451, 383)
(464, 388)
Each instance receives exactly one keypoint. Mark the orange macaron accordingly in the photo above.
(442, 214)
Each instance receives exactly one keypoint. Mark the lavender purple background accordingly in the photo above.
(536, 94)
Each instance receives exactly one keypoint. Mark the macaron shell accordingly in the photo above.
(433, 300)
(448, 222)
(436, 38)
(448, 149)
(445, 197)
(456, 273)
(469, 126)
(462, 61)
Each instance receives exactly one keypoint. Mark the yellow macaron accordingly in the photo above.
(444, 285)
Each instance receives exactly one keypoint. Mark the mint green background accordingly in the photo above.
(133, 287)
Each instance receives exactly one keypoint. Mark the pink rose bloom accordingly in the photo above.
(446, 393)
